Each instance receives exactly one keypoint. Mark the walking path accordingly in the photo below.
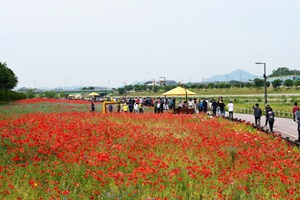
(284, 126)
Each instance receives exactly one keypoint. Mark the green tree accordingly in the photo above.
(258, 83)
(283, 71)
(121, 91)
(30, 94)
(297, 82)
(210, 85)
(276, 83)
(8, 79)
(288, 83)
(155, 88)
(248, 85)
(50, 94)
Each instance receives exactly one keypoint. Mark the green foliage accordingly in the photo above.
(259, 100)
(155, 88)
(210, 85)
(121, 91)
(288, 83)
(258, 83)
(8, 79)
(276, 83)
(50, 94)
(283, 71)
(248, 85)
(30, 94)
(7, 96)
(297, 82)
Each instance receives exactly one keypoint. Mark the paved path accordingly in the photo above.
(284, 126)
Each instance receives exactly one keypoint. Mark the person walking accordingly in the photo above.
(136, 107)
(257, 114)
(155, 105)
(214, 106)
(140, 106)
(110, 108)
(295, 109)
(268, 108)
(125, 108)
(222, 108)
(230, 107)
(271, 119)
(297, 116)
(92, 107)
(119, 107)
(204, 106)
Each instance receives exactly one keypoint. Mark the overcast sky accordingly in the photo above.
(107, 43)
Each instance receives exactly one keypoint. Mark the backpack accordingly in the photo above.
(298, 115)
(271, 116)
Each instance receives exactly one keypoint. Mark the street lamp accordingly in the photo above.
(265, 79)
(180, 84)
(164, 80)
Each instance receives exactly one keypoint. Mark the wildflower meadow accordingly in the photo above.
(57, 149)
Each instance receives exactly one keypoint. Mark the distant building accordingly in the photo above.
(283, 78)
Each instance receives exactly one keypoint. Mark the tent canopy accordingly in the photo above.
(94, 94)
(179, 91)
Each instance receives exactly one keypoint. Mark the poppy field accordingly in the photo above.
(57, 149)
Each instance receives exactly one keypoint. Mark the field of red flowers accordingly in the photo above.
(52, 149)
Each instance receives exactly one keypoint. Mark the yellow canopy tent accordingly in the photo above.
(93, 94)
(179, 91)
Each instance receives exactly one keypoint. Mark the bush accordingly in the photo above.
(7, 96)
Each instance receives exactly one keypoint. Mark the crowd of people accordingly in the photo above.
(201, 105)
(270, 117)
(162, 104)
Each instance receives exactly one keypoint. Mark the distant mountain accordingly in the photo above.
(236, 75)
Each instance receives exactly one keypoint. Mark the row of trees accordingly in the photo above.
(256, 83)
(8, 79)
(284, 71)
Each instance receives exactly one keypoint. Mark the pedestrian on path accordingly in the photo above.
(271, 119)
(257, 114)
(295, 109)
(230, 107)
(297, 116)
(268, 108)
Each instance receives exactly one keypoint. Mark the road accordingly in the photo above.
(284, 126)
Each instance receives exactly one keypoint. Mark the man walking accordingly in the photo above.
(230, 107)
(271, 119)
(268, 108)
(295, 109)
(257, 114)
(297, 116)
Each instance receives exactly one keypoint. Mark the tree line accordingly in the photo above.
(256, 83)
(8, 81)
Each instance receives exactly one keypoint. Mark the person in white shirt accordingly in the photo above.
(136, 107)
(230, 107)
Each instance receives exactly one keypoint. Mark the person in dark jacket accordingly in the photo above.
(297, 117)
(204, 106)
(257, 114)
(222, 108)
(92, 107)
(214, 106)
(268, 108)
(271, 119)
